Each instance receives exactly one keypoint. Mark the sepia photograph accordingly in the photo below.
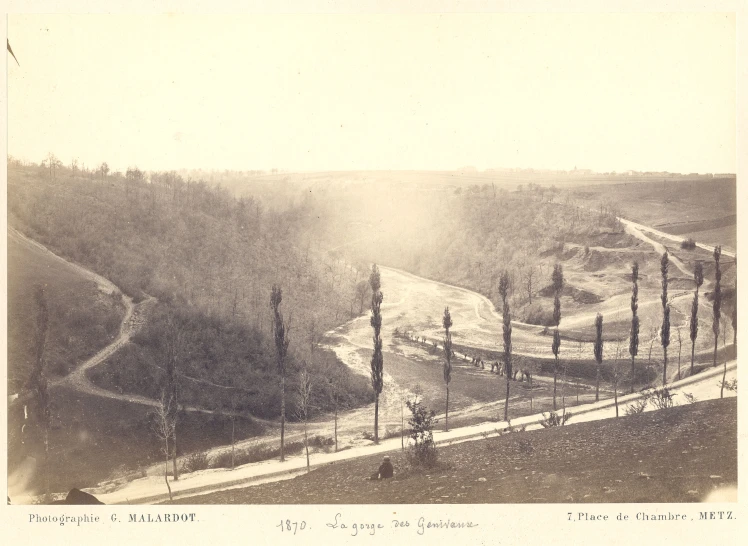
(372, 259)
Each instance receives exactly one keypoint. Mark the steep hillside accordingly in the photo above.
(82, 317)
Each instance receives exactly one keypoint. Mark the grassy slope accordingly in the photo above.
(666, 456)
(702, 209)
(82, 320)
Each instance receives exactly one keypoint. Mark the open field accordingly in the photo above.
(702, 209)
(676, 455)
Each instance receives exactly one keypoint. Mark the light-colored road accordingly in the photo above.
(674, 238)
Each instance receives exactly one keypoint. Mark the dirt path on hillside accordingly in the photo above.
(134, 319)
(675, 238)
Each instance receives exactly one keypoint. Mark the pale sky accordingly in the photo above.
(339, 92)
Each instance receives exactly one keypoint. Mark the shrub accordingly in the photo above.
(555, 419)
(729, 384)
(637, 407)
(196, 461)
(690, 398)
(422, 421)
(539, 314)
(321, 442)
(662, 398)
(688, 244)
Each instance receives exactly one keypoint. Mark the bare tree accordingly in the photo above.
(336, 387)
(362, 289)
(304, 397)
(174, 341)
(280, 334)
(164, 426)
(104, 170)
(52, 163)
(377, 360)
(447, 323)
(529, 281)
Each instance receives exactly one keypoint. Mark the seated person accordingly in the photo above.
(385, 470)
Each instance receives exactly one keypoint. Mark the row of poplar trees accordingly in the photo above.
(280, 331)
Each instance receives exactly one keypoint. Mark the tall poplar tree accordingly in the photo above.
(665, 329)
(558, 283)
(447, 322)
(698, 278)
(717, 304)
(598, 353)
(507, 331)
(634, 335)
(377, 361)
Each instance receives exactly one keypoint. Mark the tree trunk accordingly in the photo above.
(306, 445)
(722, 386)
(166, 469)
(233, 419)
(716, 338)
(664, 366)
(376, 419)
(402, 426)
(446, 413)
(506, 400)
(633, 373)
(336, 426)
(283, 415)
(597, 383)
(693, 349)
(615, 396)
(174, 456)
(555, 376)
(563, 398)
(679, 352)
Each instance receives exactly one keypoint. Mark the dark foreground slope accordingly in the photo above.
(675, 455)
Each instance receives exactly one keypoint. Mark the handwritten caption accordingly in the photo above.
(355, 527)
